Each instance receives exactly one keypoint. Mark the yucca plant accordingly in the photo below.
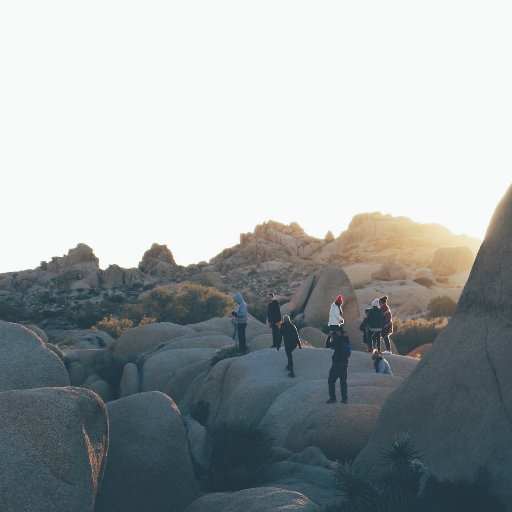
(403, 468)
(356, 490)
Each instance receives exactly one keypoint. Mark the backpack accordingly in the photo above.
(347, 347)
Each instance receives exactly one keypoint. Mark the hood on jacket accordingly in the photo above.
(238, 298)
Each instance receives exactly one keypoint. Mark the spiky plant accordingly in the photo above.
(403, 468)
(356, 490)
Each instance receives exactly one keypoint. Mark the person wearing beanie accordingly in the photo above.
(336, 314)
(387, 328)
(380, 364)
(375, 324)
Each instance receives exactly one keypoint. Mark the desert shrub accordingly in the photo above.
(425, 281)
(441, 306)
(394, 487)
(239, 452)
(224, 353)
(191, 303)
(147, 320)
(200, 411)
(413, 332)
(113, 325)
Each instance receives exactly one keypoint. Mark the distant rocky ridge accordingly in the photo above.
(274, 257)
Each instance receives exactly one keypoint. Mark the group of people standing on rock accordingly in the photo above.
(376, 324)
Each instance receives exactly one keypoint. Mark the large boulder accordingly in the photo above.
(452, 260)
(53, 444)
(457, 404)
(260, 499)
(25, 362)
(149, 465)
(140, 339)
(255, 390)
(315, 296)
(390, 271)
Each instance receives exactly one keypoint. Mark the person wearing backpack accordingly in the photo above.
(340, 343)
(291, 341)
(375, 324)
(387, 328)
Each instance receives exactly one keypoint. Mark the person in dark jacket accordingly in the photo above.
(274, 319)
(291, 341)
(339, 367)
(375, 324)
(387, 327)
(241, 316)
(365, 329)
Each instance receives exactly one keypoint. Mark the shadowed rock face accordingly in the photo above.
(457, 403)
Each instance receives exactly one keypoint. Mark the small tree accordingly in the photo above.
(113, 325)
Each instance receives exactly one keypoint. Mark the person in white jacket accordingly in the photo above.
(336, 314)
(380, 364)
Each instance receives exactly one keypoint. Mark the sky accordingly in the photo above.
(127, 123)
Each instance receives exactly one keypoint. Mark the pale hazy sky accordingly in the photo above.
(125, 123)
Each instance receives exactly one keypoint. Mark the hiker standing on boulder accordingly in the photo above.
(375, 324)
(340, 343)
(274, 319)
(387, 328)
(380, 364)
(336, 315)
(241, 316)
(291, 341)
(365, 329)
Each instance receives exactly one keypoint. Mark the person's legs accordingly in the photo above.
(376, 340)
(387, 342)
(276, 336)
(242, 342)
(290, 360)
(331, 381)
(343, 372)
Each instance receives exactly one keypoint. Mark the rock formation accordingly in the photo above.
(457, 404)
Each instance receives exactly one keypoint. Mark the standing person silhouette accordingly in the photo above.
(291, 342)
(241, 316)
(387, 328)
(375, 324)
(274, 319)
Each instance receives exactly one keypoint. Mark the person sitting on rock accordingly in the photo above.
(340, 343)
(291, 341)
(380, 364)
(387, 328)
(375, 324)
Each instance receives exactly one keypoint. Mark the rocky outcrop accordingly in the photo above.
(314, 297)
(460, 391)
(159, 262)
(149, 465)
(390, 271)
(53, 444)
